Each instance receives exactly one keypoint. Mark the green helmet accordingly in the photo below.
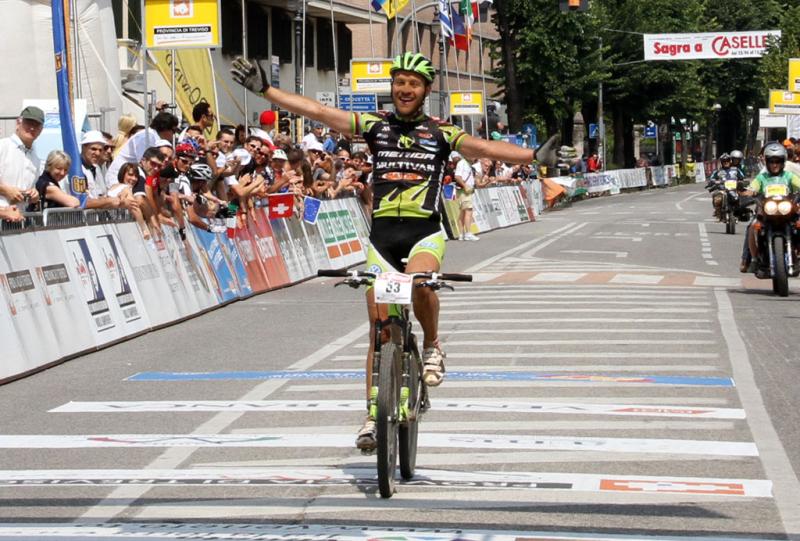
(415, 62)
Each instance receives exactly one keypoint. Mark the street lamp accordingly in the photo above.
(748, 123)
(715, 109)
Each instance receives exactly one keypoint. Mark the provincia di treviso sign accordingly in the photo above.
(708, 45)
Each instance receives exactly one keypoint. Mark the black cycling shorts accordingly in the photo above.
(394, 239)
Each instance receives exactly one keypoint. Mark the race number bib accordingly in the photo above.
(776, 190)
(730, 184)
(393, 288)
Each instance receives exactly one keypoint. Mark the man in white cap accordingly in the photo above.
(313, 136)
(92, 147)
(465, 179)
(19, 164)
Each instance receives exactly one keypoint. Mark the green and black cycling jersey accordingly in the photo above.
(408, 161)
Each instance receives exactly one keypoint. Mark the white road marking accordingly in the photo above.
(639, 279)
(443, 440)
(750, 488)
(558, 321)
(581, 342)
(438, 404)
(717, 282)
(557, 277)
(597, 252)
(665, 310)
(155, 531)
(526, 355)
(776, 463)
(587, 331)
(618, 237)
(618, 279)
(705, 245)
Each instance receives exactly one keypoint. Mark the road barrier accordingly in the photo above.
(495, 206)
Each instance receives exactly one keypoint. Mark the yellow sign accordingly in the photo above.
(794, 74)
(371, 75)
(194, 80)
(466, 103)
(784, 102)
(174, 24)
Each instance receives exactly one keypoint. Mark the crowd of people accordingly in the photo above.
(165, 175)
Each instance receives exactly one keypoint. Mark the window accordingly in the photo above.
(257, 32)
(325, 45)
(282, 34)
(231, 28)
(132, 11)
(309, 42)
(344, 47)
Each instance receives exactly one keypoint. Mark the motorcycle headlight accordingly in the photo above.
(785, 207)
(771, 207)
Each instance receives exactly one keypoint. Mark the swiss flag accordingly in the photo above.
(281, 205)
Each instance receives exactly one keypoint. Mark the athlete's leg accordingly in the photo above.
(426, 302)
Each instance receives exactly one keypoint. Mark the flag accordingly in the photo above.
(77, 180)
(281, 205)
(444, 19)
(311, 207)
(449, 192)
(389, 7)
(461, 33)
(194, 80)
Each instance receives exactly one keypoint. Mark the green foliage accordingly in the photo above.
(774, 66)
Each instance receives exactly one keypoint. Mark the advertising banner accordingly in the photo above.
(65, 308)
(708, 45)
(466, 103)
(240, 273)
(168, 259)
(452, 211)
(174, 24)
(25, 302)
(119, 272)
(194, 80)
(300, 247)
(481, 214)
(783, 102)
(371, 75)
(268, 249)
(794, 75)
(248, 251)
(316, 246)
(356, 210)
(525, 195)
(227, 287)
(290, 259)
(147, 272)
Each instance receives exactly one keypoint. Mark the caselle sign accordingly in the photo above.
(708, 45)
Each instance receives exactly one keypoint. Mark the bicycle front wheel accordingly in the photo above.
(409, 432)
(388, 418)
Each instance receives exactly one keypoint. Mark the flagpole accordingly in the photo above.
(335, 57)
(76, 52)
(483, 80)
(244, 53)
(143, 59)
(371, 39)
(303, 61)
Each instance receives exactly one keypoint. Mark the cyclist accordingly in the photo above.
(409, 151)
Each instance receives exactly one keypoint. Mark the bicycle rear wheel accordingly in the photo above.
(387, 421)
(408, 432)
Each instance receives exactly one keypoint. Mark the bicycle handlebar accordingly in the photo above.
(344, 273)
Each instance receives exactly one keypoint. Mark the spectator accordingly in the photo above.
(280, 182)
(267, 122)
(10, 214)
(223, 163)
(92, 154)
(125, 126)
(465, 179)
(127, 179)
(239, 136)
(163, 126)
(147, 189)
(203, 116)
(329, 145)
(56, 167)
(593, 164)
(314, 135)
(19, 164)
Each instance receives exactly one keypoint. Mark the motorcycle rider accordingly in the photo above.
(736, 161)
(717, 181)
(775, 156)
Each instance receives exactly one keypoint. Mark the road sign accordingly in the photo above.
(466, 103)
(784, 102)
(327, 99)
(182, 23)
(650, 132)
(358, 102)
(794, 74)
(371, 75)
(594, 131)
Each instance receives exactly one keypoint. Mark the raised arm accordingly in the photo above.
(252, 76)
(474, 148)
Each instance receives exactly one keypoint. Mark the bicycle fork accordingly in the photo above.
(397, 326)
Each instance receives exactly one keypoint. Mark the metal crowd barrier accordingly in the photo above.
(62, 218)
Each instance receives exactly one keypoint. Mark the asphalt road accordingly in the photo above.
(611, 375)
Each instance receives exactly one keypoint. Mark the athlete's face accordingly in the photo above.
(408, 92)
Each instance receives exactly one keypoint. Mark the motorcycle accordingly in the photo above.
(777, 238)
(734, 207)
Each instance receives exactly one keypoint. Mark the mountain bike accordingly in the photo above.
(398, 395)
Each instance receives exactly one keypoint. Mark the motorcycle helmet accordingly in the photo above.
(775, 150)
(737, 155)
(725, 157)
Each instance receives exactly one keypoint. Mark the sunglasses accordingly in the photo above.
(184, 159)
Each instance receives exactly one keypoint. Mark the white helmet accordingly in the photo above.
(737, 155)
(200, 172)
(775, 150)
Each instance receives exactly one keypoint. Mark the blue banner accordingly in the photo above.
(219, 264)
(77, 181)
